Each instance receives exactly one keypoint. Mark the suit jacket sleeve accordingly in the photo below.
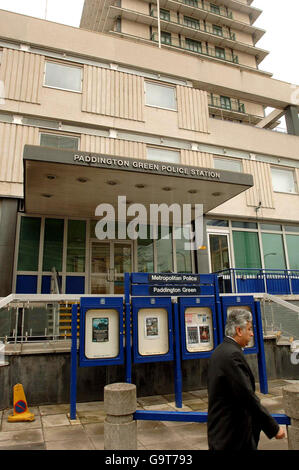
(243, 393)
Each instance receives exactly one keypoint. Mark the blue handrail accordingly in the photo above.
(250, 280)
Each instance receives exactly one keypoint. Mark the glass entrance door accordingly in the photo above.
(109, 261)
(219, 252)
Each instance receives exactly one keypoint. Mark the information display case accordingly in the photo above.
(198, 326)
(101, 331)
(245, 302)
(152, 329)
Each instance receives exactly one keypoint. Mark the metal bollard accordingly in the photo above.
(120, 430)
(291, 407)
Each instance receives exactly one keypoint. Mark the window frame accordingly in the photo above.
(161, 85)
(74, 66)
(289, 170)
(161, 149)
(232, 160)
(71, 136)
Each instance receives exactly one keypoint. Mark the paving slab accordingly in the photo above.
(152, 400)
(55, 420)
(6, 426)
(77, 444)
(24, 437)
(154, 432)
(40, 446)
(89, 406)
(93, 416)
(64, 433)
(53, 409)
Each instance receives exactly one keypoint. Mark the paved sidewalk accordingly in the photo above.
(52, 429)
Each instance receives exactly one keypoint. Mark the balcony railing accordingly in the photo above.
(207, 7)
(197, 26)
(270, 281)
(195, 46)
(231, 105)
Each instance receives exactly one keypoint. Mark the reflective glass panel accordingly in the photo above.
(183, 254)
(293, 250)
(164, 250)
(145, 253)
(53, 244)
(63, 76)
(273, 251)
(246, 250)
(29, 244)
(76, 246)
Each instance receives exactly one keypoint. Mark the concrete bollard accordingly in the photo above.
(291, 408)
(120, 430)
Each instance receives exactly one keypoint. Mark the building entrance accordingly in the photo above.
(108, 262)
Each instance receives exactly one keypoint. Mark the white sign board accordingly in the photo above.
(101, 333)
(199, 329)
(152, 331)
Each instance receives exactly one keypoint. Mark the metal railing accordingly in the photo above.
(195, 46)
(255, 280)
(195, 24)
(232, 105)
(200, 5)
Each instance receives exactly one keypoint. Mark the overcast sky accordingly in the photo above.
(279, 19)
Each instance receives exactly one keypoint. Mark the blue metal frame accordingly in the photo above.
(240, 301)
(151, 302)
(73, 385)
(189, 416)
(100, 303)
(271, 281)
(197, 302)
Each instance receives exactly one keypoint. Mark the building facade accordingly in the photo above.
(159, 106)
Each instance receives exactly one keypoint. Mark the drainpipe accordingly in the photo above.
(159, 25)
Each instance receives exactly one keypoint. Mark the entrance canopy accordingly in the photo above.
(62, 182)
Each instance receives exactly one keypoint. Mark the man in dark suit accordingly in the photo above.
(235, 414)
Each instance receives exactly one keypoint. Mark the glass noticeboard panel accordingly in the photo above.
(242, 307)
(153, 331)
(101, 333)
(199, 329)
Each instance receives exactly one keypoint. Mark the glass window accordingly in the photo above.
(63, 76)
(291, 228)
(283, 180)
(163, 155)
(215, 8)
(76, 246)
(193, 3)
(240, 224)
(191, 22)
(220, 52)
(219, 252)
(293, 252)
(225, 102)
(145, 253)
(29, 244)
(165, 38)
(183, 255)
(164, 15)
(164, 250)
(53, 244)
(59, 141)
(226, 164)
(273, 251)
(217, 223)
(161, 96)
(217, 30)
(246, 250)
(192, 45)
(271, 227)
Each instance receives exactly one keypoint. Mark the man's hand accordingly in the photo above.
(280, 434)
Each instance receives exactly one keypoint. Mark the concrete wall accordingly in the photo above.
(46, 377)
(8, 220)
